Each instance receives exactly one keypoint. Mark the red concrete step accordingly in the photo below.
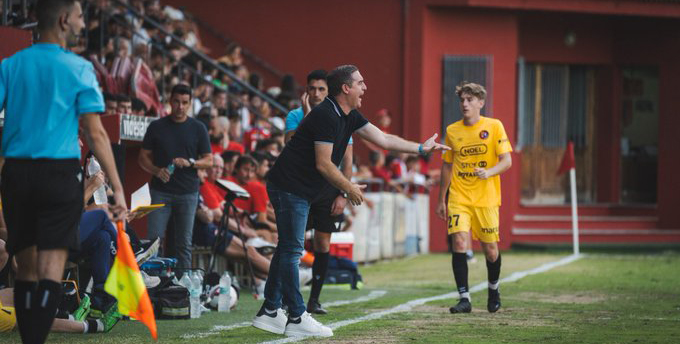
(585, 222)
(592, 229)
(590, 210)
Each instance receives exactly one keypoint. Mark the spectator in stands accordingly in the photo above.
(202, 95)
(264, 161)
(233, 56)
(379, 170)
(221, 100)
(257, 132)
(268, 146)
(174, 147)
(256, 205)
(46, 92)
(124, 104)
(230, 158)
(138, 107)
(111, 102)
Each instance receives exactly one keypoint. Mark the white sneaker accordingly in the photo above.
(274, 323)
(307, 326)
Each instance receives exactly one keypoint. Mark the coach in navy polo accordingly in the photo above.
(306, 167)
(45, 90)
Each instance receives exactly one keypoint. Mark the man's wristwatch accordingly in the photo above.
(192, 162)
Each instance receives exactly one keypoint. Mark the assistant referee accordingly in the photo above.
(45, 90)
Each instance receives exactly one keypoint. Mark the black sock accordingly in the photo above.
(92, 326)
(319, 269)
(460, 272)
(45, 303)
(494, 270)
(24, 292)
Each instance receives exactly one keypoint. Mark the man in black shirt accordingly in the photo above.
(173, 148)
(308, 166)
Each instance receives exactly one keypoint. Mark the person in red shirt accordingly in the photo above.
(257, 132)
(256, 205)
(379, 170)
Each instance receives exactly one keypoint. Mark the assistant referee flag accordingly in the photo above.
(125, 283)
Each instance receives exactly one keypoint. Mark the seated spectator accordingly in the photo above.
(124, 104)
(229, 158)
(268, 146)
(111, 103)
(256, 205)
(379, 170)
(138, 107)
(233, 56)
(257, 132)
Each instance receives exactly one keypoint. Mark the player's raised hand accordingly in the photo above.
(431, 145)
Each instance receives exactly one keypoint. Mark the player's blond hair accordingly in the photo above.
(471, 88)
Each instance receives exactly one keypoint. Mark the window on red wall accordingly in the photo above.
(459, 68)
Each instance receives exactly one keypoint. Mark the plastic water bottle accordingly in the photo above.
(224, 300)
(195, 296)
(100, 194)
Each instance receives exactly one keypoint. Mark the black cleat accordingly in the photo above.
(463, 306)
(494, 302)
(314, 307)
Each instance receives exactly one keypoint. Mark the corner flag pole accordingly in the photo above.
(568, 163)
(574, 209)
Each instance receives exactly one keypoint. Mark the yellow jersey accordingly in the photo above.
(476, 146)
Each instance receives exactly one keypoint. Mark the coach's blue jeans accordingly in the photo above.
(182, 209)
(283, 280)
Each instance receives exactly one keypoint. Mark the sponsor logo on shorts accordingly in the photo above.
(477, 149)
(492, 230)
(483, 134)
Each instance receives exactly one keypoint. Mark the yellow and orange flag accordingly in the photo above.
(125, 283)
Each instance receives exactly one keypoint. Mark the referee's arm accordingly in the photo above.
(98, 141)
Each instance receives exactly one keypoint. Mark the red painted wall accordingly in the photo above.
(303, 35)
(13, 40)
(462, 31)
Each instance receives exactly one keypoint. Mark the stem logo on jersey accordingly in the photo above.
(483, 134)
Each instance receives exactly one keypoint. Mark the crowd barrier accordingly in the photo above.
(396, 225)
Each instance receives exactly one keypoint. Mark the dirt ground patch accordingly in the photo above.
(578, 298)
(505, 317)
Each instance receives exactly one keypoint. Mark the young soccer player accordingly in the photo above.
(480, 152)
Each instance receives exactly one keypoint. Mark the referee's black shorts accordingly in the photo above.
(42, 201)
(320, 218)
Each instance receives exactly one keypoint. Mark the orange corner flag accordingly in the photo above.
(567, 160)
(125, 283)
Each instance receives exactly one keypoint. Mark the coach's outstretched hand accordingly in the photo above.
(431, 145)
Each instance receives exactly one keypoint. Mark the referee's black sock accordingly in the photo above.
(493, 271)
(460, 273)
(45, 302)
(24, 293)
(319, 269)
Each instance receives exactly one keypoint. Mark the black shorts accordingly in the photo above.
(42, 201)
(320, 217)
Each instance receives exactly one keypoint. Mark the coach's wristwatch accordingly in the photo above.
(192, 162)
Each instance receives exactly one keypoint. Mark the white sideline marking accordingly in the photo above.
(219, 328)
(417, 302)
